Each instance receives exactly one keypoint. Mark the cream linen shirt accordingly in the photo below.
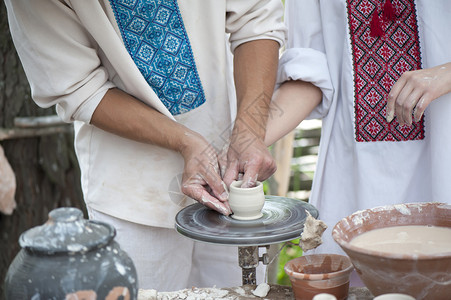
(72, 53)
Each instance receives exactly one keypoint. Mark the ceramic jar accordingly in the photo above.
(68, 258)
(315, 274)
(246, 203)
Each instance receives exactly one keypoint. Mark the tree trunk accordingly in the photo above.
(44, 162)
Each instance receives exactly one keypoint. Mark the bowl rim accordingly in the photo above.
(236, 186)
(317, 277)
(381, 254)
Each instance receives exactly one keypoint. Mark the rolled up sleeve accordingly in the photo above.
(59, 57)
(255, 19)
(304, 57)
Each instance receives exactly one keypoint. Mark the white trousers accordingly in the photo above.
(168, 261)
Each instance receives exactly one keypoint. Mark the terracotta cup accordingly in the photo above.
(246, 203)
(315, 274)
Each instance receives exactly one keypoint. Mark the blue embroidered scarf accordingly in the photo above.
(155, 36)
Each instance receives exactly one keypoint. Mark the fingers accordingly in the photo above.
(231, 172)
(261, 168)
(250, 179)
(410, 108)
(256, 166)
(213, 179)
(250, 174)
(404, 99)
(405, 105)
(222, 160)
(392, 97)
(419, 109)
(200, 194)
(202, 177)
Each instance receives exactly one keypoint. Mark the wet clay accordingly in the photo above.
(311, 236)
(246, 203)
(409, 239)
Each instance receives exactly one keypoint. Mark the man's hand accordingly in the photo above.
(255, 68)
(415, 90)
(201, 177)
(124, 115)
(249, 156)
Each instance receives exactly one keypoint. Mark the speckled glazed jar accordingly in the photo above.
(68, 258)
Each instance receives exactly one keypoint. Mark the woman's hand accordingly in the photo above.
(415, 90)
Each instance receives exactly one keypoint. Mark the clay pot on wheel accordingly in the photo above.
(70, 258)
(246, 203)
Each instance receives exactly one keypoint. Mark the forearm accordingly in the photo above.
(255, 69)
(122, 114)
(291, 104)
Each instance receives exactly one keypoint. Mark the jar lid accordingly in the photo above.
(66, 231)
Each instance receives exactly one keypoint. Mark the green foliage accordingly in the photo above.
(289, 252)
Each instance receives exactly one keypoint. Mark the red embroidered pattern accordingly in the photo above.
(378, 63)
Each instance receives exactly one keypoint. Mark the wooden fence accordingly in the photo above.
(304, 158)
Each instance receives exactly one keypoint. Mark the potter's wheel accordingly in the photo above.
(283, 220)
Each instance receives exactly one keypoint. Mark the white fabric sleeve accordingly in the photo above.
(59, 57)
(253, 20)
(304, 57)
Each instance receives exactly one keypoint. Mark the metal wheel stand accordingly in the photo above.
(283, 220)
(248, 260)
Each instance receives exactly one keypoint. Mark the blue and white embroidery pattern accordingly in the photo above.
(155, 36)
